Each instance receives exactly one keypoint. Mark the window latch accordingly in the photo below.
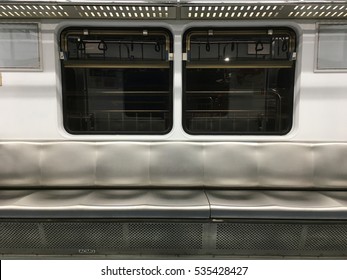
(184, 56)
(62, 56)
(293, 56)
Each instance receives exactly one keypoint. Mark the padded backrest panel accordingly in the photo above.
(173, 164)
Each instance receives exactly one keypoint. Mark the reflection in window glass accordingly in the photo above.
(332, 47)
(238, 81)
(19, 46)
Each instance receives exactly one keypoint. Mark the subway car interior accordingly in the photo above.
(173, 128)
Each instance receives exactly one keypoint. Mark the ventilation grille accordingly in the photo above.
(235, 11)
(99, 238)
(282, 239)
(232, 12)
(337, 238)
(35, 11)
(166, 236)
(87, 11)
(130, 12)
(261, 238)
(258, 237)
(262, 11)
(92, 235)
(318, 11)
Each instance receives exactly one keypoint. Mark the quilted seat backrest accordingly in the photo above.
(173, 164)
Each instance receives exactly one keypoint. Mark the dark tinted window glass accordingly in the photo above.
(238, 81)
(117, 81)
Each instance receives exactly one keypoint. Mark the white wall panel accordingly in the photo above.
(30, 102)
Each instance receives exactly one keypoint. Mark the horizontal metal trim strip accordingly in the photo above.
(110, 64)
(237, 64)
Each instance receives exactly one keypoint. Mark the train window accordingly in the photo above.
(116, 81)
(238, 81)
(332, 47)
(19, 46)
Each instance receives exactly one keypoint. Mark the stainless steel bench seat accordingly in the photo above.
(273, 199)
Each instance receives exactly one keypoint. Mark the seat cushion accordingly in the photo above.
(104, 203)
